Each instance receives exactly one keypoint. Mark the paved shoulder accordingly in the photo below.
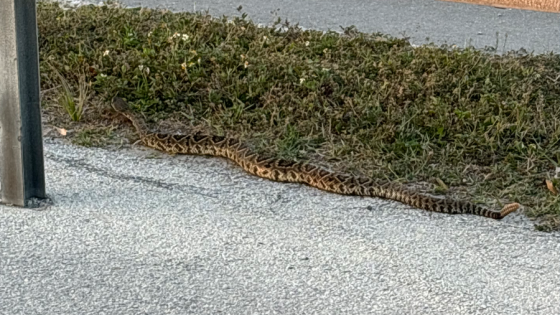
(132, 232)
(423, 21)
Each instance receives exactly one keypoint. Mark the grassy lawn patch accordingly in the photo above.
(457, 122)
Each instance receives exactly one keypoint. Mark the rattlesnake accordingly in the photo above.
(297, 172)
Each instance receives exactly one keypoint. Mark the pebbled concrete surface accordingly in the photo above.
(424, 21)
(137, 232)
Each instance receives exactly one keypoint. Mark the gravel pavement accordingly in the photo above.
(424, 21)
(137, 232)
(133, 231)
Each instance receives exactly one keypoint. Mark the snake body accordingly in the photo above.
(298, 172)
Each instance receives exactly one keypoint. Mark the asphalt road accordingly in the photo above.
(136, 232)
(424, 21)
(133, 232)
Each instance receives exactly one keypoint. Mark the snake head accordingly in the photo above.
(119, 104)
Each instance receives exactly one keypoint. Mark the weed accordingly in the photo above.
(67, 100)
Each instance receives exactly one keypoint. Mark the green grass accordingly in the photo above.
(89, 137)
(465, 123)
(74, 106)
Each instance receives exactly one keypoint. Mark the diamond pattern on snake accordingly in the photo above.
(299, 172)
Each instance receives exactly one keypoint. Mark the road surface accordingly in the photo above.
(137, 232)
(424, 21)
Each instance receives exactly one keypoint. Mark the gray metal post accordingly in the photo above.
(22, 177)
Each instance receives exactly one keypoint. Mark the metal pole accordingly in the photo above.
(22, 178)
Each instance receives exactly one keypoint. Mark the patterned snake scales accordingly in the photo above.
(296, 172)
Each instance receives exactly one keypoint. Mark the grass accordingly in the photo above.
(458, 122)
(66, 98)
(93, 137)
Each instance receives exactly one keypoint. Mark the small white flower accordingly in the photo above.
(184, 65)
(198, 60)
(246, 64)
(185, 37)
(149, 34)
(106, 53)
(265, 38)
(176, 35)
(307, 43)
(147, 70)
(301, 80)
(140, 67)
(242, 57)
(103, 75)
